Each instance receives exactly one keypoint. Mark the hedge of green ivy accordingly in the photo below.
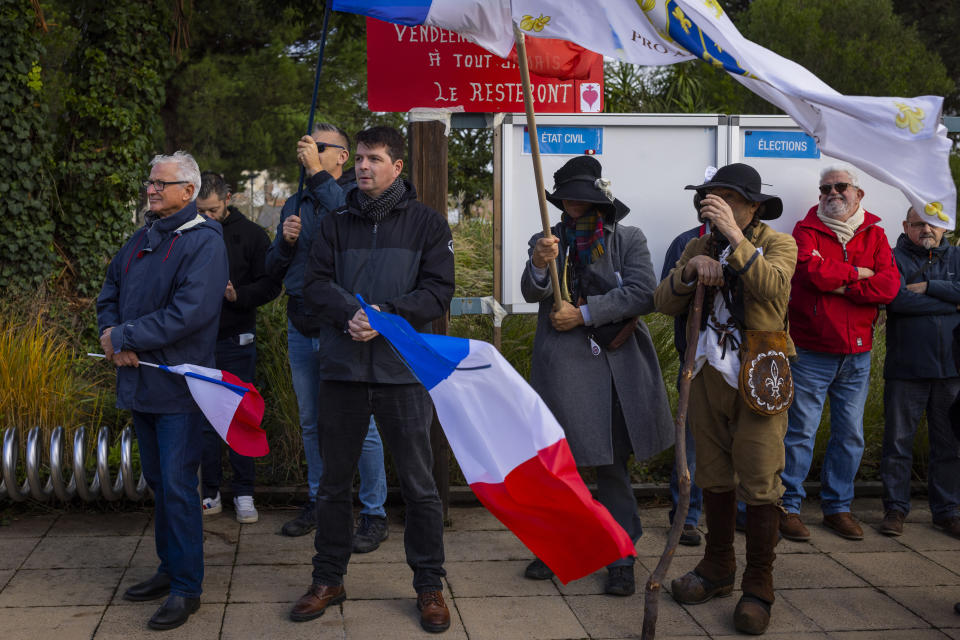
(110, 129)
(26, 229)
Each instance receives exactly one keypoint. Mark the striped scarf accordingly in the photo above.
(377, 208)
(586, 235)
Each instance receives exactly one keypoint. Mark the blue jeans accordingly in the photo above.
(905, 402)
(303, 353)
(404, 413)
(696, 493)
(169, 446)
(241, 361)
(845, 378)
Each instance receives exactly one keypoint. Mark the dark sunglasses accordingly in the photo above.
(840, 187)
(322, 146)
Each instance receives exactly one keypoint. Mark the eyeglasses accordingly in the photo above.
(322, 146)
(921, 225)
(839, 186)
(160, 185)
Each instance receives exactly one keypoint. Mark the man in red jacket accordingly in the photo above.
(845, 270)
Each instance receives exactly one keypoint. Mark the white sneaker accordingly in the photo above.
(246, 512)
(212, 506)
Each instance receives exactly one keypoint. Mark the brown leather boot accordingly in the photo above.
(714, 575)
(752, 614)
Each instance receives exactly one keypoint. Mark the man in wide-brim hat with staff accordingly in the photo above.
(741, 387)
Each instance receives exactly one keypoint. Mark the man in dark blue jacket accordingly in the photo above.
(398, 254)
(323, 156)
(161, 302)
(249, 287)
(921, 375)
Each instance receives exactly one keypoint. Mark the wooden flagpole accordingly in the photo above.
(535, 155)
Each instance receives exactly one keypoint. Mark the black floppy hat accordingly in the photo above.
(745, 180)
(581, 179)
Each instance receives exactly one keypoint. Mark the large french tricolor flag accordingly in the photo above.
(234, 408)
(511, 449)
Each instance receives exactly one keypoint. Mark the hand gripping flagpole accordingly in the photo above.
(652, 593)
(535, 156)
(313, 102)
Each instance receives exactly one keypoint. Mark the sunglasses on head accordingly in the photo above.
(840, 187)
(322, 146)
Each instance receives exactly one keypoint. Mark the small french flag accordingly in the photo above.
(511, 449)
(233, 407)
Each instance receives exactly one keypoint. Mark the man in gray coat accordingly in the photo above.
(594, 363)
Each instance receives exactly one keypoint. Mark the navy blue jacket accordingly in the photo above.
(920, 325)
(674, 251)
(162, 296)
(321, 195)
(404, 264)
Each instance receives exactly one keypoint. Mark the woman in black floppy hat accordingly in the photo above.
(594, 363)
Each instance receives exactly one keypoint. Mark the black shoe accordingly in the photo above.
(150, 589)
(304, 523)
(620, 581)
(689, 536)
(538, 570)
(173, 613)
(371, 531)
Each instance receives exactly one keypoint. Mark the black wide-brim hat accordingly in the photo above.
(578, 180)
(745, 180)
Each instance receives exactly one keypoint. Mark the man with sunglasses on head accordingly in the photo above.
(921, 375)
(323, 156)
(160, 303)
(845, 271)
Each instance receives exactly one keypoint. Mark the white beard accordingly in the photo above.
(838, 209)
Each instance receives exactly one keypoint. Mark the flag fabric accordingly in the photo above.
(511, 449)
(234, 408)
(553, 58)
(899, 141)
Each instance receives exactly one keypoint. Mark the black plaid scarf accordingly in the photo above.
(377, 208)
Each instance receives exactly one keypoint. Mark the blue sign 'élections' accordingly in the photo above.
(567, 141)
(779, 144)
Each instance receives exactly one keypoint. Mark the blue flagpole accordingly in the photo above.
(188, 374)
(313, 102)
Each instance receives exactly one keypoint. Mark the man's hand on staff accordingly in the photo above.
(291, 229)
(545, 251)
(308, 155)
(566, 317)
(359, 326)
(705, 269)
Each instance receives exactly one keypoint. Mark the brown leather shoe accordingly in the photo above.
(316, 600)
(843, 525)
(434, 615)
(950, 526)
(792, 527)
(892, 524)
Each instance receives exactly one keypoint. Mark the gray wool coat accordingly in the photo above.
(578, 386)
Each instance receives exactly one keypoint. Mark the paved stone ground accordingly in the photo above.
(61, 576)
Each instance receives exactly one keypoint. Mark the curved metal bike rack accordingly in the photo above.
(101, 486)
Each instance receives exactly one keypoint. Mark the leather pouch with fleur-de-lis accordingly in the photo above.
(765, 381)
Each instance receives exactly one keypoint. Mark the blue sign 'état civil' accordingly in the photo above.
(566, 141)
(779, 144)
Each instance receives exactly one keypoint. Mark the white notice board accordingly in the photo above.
(648, 158)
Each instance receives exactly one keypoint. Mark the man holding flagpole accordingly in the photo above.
(398, 254)
(160, 301)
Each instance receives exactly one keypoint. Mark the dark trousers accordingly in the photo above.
(403, 413)
(241, 361)
(614, 489)
(169, 446)
(905, 402)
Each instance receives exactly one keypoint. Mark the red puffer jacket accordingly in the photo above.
(831, 322)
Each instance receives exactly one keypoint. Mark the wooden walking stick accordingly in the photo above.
(535, 156)
(651, 599)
